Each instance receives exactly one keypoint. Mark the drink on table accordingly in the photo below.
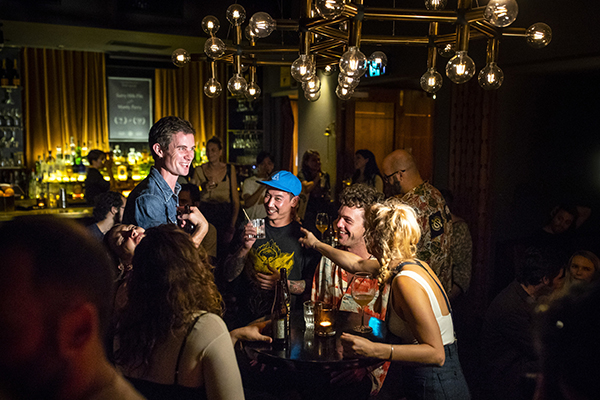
(363, 288)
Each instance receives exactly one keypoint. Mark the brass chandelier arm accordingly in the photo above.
(287, 25)
(325, 45)
(516, 32)
(485, 28)
(331, 33)
(474, 14)
(400, 40)
(398, 14)
(316, 23)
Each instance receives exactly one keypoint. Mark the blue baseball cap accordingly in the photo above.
(286, 181)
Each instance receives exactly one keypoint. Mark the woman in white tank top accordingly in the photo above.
(420, 317)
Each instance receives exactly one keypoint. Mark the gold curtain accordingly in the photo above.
(65, 95)
(472, 127)
(179, 92)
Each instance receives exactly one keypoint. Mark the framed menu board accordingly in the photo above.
(129, 109)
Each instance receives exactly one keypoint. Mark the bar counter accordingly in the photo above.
(78, 212)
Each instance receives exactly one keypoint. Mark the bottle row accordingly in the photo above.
(9, 74)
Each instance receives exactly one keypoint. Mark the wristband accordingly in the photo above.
(391, 352)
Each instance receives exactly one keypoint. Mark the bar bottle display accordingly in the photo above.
(280, 312)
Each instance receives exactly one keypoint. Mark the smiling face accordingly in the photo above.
(561, 222)
(177, 158)
(582, 269)
(265, 168)
(279, 206)
(350, 224)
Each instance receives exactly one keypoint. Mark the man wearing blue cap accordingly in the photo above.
(262, 258)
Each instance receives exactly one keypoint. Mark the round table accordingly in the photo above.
(308, 351)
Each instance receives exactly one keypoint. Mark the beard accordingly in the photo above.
(393, 189)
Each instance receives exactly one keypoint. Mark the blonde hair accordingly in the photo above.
(392, 234)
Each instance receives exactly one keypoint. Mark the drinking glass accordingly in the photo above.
(322, 223)
(363, 289)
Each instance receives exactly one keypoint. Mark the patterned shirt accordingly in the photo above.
(435, 221)
(331, 284)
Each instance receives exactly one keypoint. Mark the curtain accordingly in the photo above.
(472, 126)
(179, 92)
(65, 96)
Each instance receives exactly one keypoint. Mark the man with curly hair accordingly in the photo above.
(108, 212)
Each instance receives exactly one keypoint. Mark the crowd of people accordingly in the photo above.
(151, 300)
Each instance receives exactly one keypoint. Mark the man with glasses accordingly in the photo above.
(404, 180)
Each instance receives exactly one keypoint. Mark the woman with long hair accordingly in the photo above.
(316, 189)
(366, 170)
(170, 339)
(419, 313)
(219, 199)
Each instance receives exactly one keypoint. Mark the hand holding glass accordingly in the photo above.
(363, 289)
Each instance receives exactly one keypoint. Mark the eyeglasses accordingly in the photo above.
(387, 177)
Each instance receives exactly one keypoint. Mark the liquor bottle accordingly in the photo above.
(280, 312)
(4, 80)
(16, 77)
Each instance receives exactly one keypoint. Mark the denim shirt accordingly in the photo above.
(152, 202)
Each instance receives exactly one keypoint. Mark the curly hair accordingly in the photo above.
(168, 285)
(163, 130)
(392, 234)
(360, 195)
(104, 202)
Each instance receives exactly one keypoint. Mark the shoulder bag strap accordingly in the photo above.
(183, 346)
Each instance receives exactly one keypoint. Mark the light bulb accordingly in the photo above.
(303, 68)
(312, 96)
(329, 9)
(237, 85)
(353, 63)
(214, 47)
(212, 88)
(348, 81)
(539, 35)
(329, 69)
(431, 81)
(236, 14)
(252, 91)
(501, 13)
(491, 77)
(249, 33)
(180, 57)
(312, 85)
(343, 27)
(448, 50)
(344, 93)
(379, 58)
(460, 68)
(262, 24)
(210, 25)
(434, 5)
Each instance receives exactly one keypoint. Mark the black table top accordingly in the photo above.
(308, 351)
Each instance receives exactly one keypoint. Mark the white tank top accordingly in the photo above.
(400, 328)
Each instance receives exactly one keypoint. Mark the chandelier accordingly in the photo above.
(331, 34)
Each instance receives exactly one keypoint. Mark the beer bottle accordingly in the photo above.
(280, 312)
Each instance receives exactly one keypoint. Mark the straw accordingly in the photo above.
(246, 214)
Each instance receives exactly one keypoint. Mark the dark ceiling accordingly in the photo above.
(154, 28)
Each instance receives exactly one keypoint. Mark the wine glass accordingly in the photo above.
(363, 288)
(322, 223)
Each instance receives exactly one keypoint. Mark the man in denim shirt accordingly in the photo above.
(154, 201)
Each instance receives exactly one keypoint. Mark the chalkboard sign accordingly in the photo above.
(129, 109)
